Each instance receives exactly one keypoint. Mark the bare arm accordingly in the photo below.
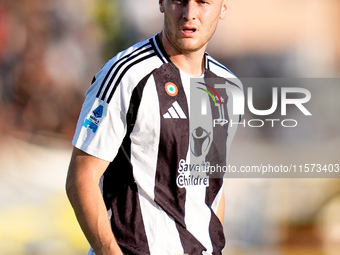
(82, 188)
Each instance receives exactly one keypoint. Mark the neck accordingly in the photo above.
(191, 62)
(192, 65)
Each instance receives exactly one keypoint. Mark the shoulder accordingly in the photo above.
(136, 55)
(128, 67)
(124, 60)
(222, 71)
(217, 68)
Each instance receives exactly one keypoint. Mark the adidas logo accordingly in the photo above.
(175, 112)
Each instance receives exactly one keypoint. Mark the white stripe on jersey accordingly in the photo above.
(144, 146)
(144, 149)
(198, 224)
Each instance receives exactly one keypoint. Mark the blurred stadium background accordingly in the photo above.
(49, 52)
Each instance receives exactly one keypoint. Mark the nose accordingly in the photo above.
(190, 10)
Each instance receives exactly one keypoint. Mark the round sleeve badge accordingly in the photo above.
(171, 89)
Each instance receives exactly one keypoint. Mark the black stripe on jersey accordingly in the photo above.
(206, 64)
(190, 244)
(93, 80)
(216, 233)
(218, 149)
(123, 73)
(216, 156)
(173, 145)
(234, 84)
(116, 63)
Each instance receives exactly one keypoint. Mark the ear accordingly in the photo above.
(161, 7)
(224, 8)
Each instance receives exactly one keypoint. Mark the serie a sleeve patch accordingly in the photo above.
(95, 116)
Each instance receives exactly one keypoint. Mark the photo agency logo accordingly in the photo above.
(235, 102)
(218, 107)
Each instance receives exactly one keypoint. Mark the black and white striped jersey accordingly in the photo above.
(136, 115)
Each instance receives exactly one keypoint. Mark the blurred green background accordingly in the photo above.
(49, 52)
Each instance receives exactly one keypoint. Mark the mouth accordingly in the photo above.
(192, 30)
(188, 30)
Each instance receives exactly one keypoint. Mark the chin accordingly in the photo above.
(193, 48)
(190, 47)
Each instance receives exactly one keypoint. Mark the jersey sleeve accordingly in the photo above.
(101, 126)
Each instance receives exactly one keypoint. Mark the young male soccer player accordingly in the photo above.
(133, 137)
